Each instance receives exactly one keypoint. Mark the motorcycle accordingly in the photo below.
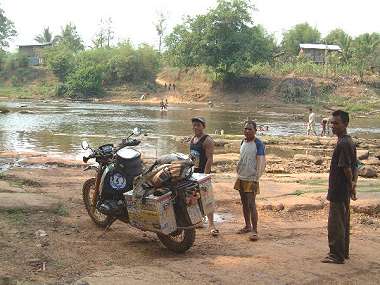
(166, 198)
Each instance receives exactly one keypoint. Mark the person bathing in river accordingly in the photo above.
(202, 153)
(324, 127)
(250, 167)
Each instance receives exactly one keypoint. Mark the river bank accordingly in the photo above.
(47, 237)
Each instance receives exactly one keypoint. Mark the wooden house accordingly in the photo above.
(318, 52)
(34, 52)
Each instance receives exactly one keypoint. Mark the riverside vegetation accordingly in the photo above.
(224, 44)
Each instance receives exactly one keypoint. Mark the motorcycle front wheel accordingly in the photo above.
(88, 191)
(178, 241)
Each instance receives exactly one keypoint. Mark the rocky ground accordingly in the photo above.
(46, 236)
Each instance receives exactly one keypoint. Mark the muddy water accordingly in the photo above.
(59, 127)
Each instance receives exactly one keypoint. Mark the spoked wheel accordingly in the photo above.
(178, 241)
(88, 193)
(182, 239)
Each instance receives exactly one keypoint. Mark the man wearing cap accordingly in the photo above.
(202, 151)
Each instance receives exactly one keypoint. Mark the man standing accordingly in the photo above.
(202, 152)
(311, 122)
(342, 187)
(250, 168)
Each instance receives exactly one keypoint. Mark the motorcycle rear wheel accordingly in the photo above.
(98, 218)
(179, 241)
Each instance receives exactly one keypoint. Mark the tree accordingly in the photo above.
(224, 39)
(160, 26)
(69, 38)
(45, 37)
(299, 34)
(105, 34)
(60, 61)
(365, 53)
(344, 40)
(7, 30)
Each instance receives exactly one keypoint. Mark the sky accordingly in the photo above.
(134, 19)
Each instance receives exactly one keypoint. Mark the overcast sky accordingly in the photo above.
(133, 19)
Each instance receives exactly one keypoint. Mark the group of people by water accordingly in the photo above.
(251, 166)
(311, 124)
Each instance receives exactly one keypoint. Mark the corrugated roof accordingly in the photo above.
(36, 45)
(320, 46)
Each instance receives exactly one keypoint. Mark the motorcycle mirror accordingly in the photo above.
(136, 131)
(85, 145)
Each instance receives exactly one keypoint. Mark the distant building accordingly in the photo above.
(318, 52)
(34, 52)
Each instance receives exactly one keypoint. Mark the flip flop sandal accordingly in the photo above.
(214, 232)
(243, 231)
(329, 259)
(254, 237)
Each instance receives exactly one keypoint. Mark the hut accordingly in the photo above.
(34, 52)
(318, 52)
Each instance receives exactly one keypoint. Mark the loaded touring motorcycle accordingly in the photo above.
(166, 198)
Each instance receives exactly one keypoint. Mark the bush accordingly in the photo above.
(84, 80)
(59, 61)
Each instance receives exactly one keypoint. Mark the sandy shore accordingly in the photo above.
(44, 193)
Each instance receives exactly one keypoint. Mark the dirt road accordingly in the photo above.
(70, 249)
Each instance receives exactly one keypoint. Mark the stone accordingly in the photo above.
(362, 154)
(304, 157)
(377, 154)
(40, 233)
(367, 171)
(318, 161)
(372, 161)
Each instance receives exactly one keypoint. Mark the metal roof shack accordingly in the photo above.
(318, 52)
(34, 52)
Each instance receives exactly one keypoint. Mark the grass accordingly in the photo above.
(16, 216)
(61, 210)
(19, 182)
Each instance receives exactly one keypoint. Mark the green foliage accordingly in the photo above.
(60, 61)
(7, 30)
(223, 40)
(69, 39)
(84, 80)
(45, 37)
(299, 34)
(366, 51)
(342, 39)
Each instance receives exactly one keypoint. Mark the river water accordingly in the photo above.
(59, 127)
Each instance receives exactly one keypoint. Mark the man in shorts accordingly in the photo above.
(250, 168)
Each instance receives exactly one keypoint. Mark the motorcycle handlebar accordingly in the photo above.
(123, 144)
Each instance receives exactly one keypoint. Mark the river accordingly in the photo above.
(59, 127)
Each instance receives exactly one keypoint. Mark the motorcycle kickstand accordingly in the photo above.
(107, 228)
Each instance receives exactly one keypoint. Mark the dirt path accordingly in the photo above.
(74, 250)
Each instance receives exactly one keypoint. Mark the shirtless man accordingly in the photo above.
(202, 152)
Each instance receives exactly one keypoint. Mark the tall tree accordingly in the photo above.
(45, 37)
(365, 51)
(344, 40)
(7, 30)
(224, 39)
(299, 34)
(69, 38)
(105, 34)
(160, 26)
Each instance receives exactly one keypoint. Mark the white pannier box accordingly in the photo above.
(205, 187)
(155, 213)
